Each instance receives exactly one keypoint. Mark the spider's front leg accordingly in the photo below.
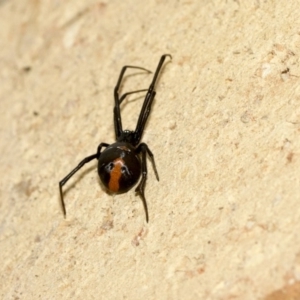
(118, 100)
(144, 150)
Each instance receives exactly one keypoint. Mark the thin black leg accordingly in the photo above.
(129, 93)
(80, 165)
(145, 111)
(144, 114)
(160, 64)
(117, 112)
(144, 150)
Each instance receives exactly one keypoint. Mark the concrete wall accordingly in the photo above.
(224, 129)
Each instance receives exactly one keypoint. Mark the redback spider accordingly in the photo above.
(122, 163)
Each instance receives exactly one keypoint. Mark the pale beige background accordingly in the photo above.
(225, 125)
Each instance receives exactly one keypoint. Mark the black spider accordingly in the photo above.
(121, 164)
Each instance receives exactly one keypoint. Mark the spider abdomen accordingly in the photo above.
(119, 167)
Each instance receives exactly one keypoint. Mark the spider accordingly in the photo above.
(121, 164)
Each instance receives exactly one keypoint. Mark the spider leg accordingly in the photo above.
(144, 150)
(126, 94)
(145, 111)
(144, 114)
(80, 165)
(117, 112)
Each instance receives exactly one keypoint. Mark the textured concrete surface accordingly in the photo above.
(224, 218)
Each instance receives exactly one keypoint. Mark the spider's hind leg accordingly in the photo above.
(80, 165)
(140, 189)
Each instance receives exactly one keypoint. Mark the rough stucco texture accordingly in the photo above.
(224, 129)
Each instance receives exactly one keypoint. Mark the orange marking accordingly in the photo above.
(115, 175)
